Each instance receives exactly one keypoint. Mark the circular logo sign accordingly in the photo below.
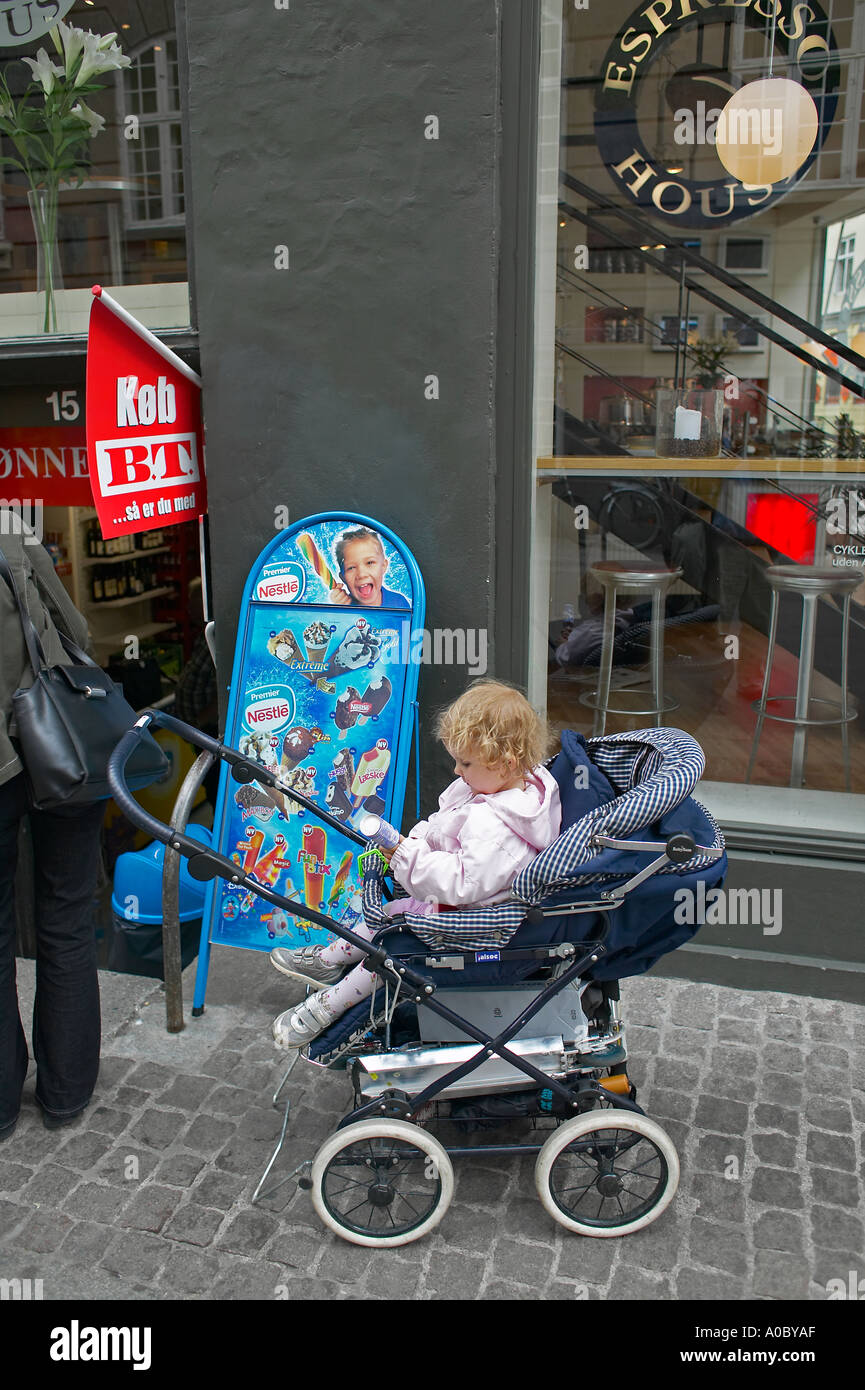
(282, 583)
(22, 21)
(657, 138)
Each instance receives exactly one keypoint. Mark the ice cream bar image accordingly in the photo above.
(343, 766)
(352, 915)
(371, 770)
(278, 923)
(254, 840)
(359, 647)
(381, 832)
(296, 745)
(311, 553)
(376, 697)
(253, 796)
(301, 779)
(343, 715)
(337, 802)
(314, 850)
(267, 870)
(339, 881)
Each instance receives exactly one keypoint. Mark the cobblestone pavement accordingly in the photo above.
(148, 1197)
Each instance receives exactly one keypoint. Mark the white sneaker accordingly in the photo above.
(305, 963)
(299, 1026)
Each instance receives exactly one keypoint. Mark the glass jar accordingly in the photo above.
(688, 423)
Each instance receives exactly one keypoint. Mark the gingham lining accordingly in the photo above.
(655, 770)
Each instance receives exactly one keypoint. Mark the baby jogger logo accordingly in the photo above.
(77, 1343)
(721, 907)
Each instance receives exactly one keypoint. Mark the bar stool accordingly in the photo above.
(811, 583)
(641, 577)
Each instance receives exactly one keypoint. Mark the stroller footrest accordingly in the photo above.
(414, 1069)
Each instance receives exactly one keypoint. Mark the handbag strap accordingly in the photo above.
(31, 636)
(72, 649)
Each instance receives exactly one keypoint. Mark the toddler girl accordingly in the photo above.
(501, 811)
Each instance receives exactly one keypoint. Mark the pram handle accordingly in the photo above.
(206, 863)
(243, 770)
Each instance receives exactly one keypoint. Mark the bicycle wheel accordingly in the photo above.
(382, 1182)
(607, 1173)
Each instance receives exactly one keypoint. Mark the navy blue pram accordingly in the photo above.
(511, 1010)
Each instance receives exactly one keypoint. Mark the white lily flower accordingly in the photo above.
(44, 71)
(107, 40)
(73, 43)
(95, 122)
(96, 60)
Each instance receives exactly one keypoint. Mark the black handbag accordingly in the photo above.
(69, 722)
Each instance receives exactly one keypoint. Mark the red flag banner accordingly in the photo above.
(144, 431)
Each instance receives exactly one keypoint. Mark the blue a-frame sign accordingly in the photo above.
(323, 693)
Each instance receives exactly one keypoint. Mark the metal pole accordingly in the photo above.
(803, 688)
(679, 320)
(171, 953)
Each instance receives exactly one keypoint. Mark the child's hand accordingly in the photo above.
(389, 853)
(339, 595)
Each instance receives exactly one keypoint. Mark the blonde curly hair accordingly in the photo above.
(494, 722)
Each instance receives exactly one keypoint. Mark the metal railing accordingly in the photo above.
(687, 257)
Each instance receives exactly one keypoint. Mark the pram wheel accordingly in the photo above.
(382, 1182)
(607, 1173)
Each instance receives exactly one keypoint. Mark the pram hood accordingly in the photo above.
(637, 786)
(649, 773)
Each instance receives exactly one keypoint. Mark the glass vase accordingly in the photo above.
(43, 201)
(688, 423)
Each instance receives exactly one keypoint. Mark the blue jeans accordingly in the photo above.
(66, 1017)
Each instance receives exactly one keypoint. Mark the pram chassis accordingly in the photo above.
(607, 1134)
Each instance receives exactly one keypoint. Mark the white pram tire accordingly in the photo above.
(642, 1165)
(364, 1161)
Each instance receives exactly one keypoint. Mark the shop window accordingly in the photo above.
(151, 96)
(763, 461)
(844, 264)
(106, 207)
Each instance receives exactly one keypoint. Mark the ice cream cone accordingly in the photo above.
(316, 639)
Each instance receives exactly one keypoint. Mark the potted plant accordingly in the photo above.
(50, 128)
(707, 355)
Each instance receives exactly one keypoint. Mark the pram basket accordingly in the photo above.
(435, 1043)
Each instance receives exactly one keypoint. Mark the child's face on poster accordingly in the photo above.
(363, 569)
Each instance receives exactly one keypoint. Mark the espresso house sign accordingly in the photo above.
(662, 29)
(22, 21)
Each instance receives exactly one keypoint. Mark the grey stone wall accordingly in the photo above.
(307, 131)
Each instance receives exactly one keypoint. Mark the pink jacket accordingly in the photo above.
(470, 851)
